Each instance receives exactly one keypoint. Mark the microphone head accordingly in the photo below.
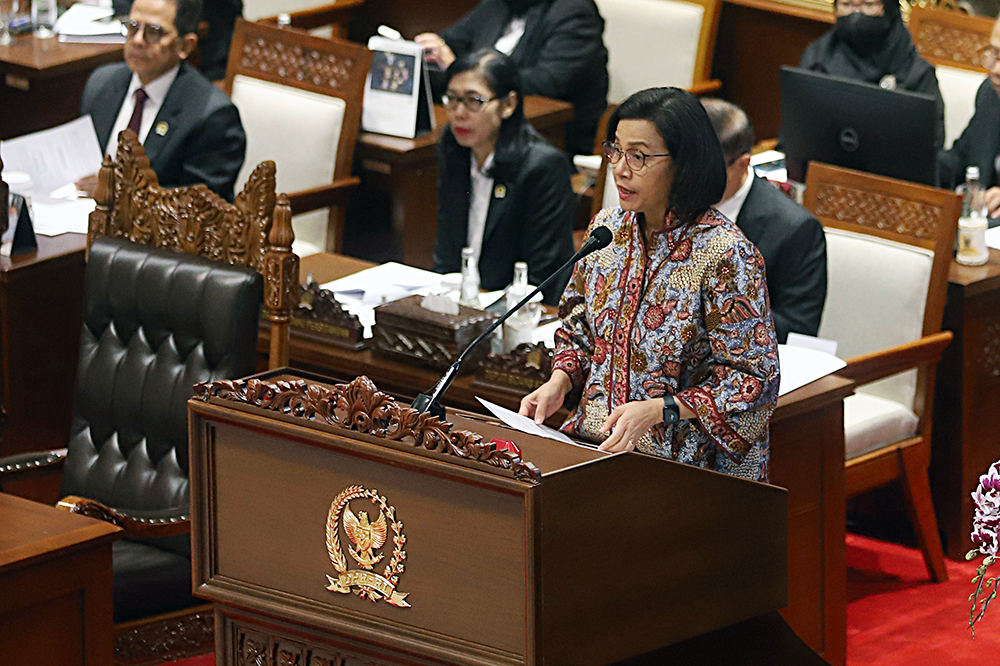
(601, 236)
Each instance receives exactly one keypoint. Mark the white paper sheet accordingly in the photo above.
(60, 217)
(993, 238)
(91, 24)
(801, 366)
(524, 424)
(55, 157)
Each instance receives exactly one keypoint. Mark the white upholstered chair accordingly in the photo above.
(299, 99)
(888, 244)
(953, 42)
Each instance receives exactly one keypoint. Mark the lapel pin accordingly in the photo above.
(161, 128)
(499, 191)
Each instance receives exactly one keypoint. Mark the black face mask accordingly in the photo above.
(862, 32)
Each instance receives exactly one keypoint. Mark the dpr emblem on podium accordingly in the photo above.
(366, 536)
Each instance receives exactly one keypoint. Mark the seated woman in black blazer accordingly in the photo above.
(502, 189)
(869, 43)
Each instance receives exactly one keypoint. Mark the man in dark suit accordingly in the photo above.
(979, 144)
(189, 128)
(789, 238)
(558, 46)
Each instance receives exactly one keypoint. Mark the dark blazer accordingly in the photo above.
(793, 245)
(979, 144)
(560, 55)
(532, 221)
(204, 141)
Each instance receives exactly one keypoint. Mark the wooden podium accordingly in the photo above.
(332, 525)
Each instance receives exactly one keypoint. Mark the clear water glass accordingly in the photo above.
(8, 10)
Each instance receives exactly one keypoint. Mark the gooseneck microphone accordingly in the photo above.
(599, 238)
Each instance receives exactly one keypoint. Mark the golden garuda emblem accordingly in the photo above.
(366, 536)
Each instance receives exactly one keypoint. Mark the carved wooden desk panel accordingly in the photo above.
(42, 80)
(569, 556)
(55, 586)
(966, 417)
(807, 457)
(406, 171)
(41, 311)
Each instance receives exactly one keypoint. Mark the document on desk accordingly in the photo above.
(801, 366)
(55, 157)
(524, 424)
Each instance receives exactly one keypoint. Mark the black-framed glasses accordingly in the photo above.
(635, 159)
(471, 101)
(151, 33)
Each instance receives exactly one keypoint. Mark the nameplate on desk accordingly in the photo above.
(397, 91)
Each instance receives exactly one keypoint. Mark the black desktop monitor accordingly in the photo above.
(856, 125)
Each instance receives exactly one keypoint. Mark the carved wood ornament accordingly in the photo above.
(945, 40)
(319, 312)
(877, 210)
(255, 232)
(524, 368)
(360, 407)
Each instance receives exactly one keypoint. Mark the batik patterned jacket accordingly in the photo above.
(691, 320)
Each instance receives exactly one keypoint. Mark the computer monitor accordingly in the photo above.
(856, 125)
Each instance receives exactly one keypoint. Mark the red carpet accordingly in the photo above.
(895, 617)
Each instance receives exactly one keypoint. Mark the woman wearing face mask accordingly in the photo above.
(870, 43)
(502, 190)
(667, 343)
(557, 45)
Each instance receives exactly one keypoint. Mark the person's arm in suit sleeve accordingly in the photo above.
(447, 257)
(952, 162)
(548, 230)
(572, 44)
(799, 293)
(217, 152)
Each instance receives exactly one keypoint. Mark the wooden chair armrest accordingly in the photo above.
(705, 87)
(148, 525)
(31, 465)
(887, 362)
(340, 12)
(324, 196)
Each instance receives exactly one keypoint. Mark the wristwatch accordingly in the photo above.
(671, 412)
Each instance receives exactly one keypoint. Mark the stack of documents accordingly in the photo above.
(90, 24)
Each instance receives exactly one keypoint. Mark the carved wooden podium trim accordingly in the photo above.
(359, 406)
(255, 232)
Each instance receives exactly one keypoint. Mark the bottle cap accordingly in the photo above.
(972, 172)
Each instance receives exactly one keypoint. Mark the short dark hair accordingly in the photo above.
(699, 166)
(734, 129)
(502, 77)
(188, 16)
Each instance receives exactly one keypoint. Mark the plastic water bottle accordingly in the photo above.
(972, 250)
(470, 279)
(521, 325)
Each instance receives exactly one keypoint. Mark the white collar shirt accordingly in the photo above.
(156, 92)
(481, 189)
(732, 206)
(511, 36)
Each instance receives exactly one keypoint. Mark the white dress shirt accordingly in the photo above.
(479, 203)
(156, 92)
(511, 36)
(732, 206)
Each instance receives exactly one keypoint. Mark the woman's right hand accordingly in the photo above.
(546, 400)
(436, 50)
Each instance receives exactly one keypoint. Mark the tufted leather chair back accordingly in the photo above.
(156, 322)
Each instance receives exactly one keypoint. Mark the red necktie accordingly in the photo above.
(136, 120)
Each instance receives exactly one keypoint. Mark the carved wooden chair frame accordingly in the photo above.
(331, 67)
(950, 38)
(835, 196)
(255, 232)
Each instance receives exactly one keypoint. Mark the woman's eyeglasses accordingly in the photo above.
(635, 159)
(471, 101)
(151, 33)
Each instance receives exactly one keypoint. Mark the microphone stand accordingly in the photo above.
(429, 402)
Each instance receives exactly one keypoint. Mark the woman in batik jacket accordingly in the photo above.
(667, 343)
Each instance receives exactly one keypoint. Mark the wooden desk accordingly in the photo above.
(966, 414)
(55, 586)
(807, 458)
(42, 80)
(41, 311)
(405, 171)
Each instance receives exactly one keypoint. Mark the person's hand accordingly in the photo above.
(628, 422)
(88, 184)
(993, 201)
(546, 400)
(436, 50)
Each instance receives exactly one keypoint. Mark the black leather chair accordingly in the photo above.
(156, 322)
